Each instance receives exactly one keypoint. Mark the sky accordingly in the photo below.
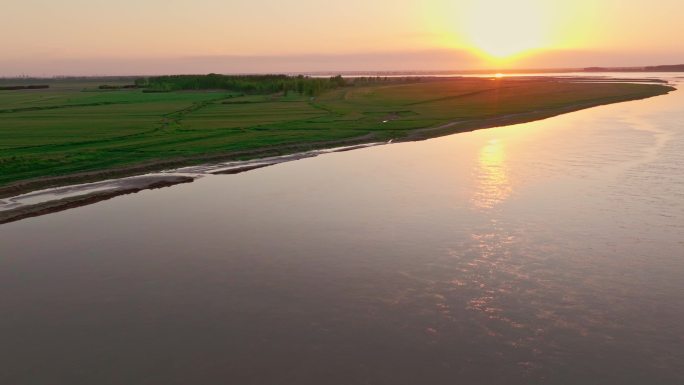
(140, 37)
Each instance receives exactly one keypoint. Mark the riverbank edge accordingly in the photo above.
(445, 129)
(54, 206)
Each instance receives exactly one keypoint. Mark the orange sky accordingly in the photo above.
(68, 37)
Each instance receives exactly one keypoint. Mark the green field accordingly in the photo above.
(74, 127)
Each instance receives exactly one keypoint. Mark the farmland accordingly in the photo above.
(48, 136)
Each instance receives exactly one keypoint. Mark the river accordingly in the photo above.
(549, 252)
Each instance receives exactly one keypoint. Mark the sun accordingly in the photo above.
(505, 29)
(499, 34)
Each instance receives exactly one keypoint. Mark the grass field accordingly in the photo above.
(75, 128)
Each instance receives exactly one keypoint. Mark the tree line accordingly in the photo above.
(29, 87)
(247, 84)
(255, 84)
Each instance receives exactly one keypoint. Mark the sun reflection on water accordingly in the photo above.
(493, 184)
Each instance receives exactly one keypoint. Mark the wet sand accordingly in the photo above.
(14, 209)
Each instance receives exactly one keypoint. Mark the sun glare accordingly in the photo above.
(502, 30)
(493, 183)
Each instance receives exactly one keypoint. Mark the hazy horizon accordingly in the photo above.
(98, 37)
(425, 61)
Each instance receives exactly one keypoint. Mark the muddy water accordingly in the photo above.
(542, 253)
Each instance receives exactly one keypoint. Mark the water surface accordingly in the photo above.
(543, 253)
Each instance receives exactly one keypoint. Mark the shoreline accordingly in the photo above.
(30, 185)
(456, 127)
(126, 186)
(288, 152)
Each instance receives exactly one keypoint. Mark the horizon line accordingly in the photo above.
(389, 72)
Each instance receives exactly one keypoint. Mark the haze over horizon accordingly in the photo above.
(97, 37)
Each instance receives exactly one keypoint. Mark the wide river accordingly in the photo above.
(542, 253)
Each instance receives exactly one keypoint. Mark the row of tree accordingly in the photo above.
(256, 84)
(29, 87)
(248, 84)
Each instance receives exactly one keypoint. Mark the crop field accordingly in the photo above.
(76, 127)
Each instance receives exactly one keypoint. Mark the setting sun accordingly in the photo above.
(501, 30)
